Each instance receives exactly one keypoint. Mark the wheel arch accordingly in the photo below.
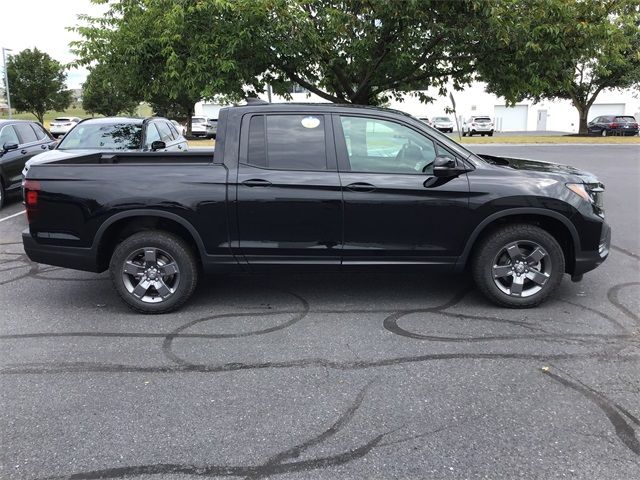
(559, 226)
(124, 224)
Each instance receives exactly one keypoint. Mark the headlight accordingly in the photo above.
(580, 190)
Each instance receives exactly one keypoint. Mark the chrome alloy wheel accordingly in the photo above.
(521, 268)
(150, 274)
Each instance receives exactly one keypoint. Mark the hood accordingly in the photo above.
(539, 166)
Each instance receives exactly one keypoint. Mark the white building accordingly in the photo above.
(556, 115)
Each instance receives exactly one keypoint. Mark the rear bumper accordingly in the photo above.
(77, 258)
(588, 260)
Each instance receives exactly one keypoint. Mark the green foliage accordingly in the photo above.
(561, 49)
(37, 83)
(102, 95)
(353, 51)
(367, 52)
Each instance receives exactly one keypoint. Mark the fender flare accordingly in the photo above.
(149, 213)
(462, 259)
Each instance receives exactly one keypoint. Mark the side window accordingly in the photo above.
(152, 134)
(287, 142)
(175, 133)
(166, 135)
(26, 133)
(8, 135)
(40, 133)
(380, 146)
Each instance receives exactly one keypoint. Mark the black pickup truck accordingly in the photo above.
(301, 185)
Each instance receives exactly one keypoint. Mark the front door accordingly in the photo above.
(542, 120)
(395, 210)
(289, 203)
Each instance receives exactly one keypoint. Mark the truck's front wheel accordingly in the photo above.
(154, 271)
(518, 266)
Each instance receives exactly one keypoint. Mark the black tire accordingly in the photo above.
(491, 134)
(464, 134)
(603, 132)
(488, 258)
(169, 249)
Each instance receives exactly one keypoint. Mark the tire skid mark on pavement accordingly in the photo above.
(277, 464)
(280, 463)
(614, 412)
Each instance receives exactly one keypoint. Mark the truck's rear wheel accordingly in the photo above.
(154, 271)
(518, 266)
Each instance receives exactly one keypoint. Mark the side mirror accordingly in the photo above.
(53, 145)
(444, 166)
(158, 145)
(9, 146)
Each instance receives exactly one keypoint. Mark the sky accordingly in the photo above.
(42, 24)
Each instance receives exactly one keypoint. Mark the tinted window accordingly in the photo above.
(293, 142)
(175, 132)
(40, 132)
(166, 135)
(257, 153)
(103, 136)
(25, 132)
(8, 135)
(380, 146)
(626, 119)
(483, 119)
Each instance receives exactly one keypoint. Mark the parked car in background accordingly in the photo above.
(19, 141)
(182, 130)
(426, 120)
(444, 124)
(477, 124)
(153, 134)
(61, 125)
(204, 127)
(613, 125)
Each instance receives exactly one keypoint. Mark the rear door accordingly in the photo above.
(395, 210)
(289, 204)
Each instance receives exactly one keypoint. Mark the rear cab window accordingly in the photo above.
(287, 142)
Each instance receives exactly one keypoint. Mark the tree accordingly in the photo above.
(169, 53)
(102, 94)
(37, 83)
(366, 52)
(561, 49)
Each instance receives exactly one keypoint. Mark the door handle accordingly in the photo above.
(360, 187)
(257, 182)
(44, 147)
(23, 151)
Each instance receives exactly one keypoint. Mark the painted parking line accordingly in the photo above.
(11, 216)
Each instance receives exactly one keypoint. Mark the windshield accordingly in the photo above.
(101, 136)
(482, 119)
(198, 120)
(441, 119)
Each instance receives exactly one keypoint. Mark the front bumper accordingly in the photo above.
(588, 260)
(77, 258)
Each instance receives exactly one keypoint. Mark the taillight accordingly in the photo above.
(31, 197)
(614, 125)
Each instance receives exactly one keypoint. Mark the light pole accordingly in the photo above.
(6, 77)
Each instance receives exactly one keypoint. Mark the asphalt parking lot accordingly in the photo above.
(328, 376)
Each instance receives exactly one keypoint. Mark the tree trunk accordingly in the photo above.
(39, 116)
(189, 109)
(583, 112)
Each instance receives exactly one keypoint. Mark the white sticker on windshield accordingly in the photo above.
(310, 122)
